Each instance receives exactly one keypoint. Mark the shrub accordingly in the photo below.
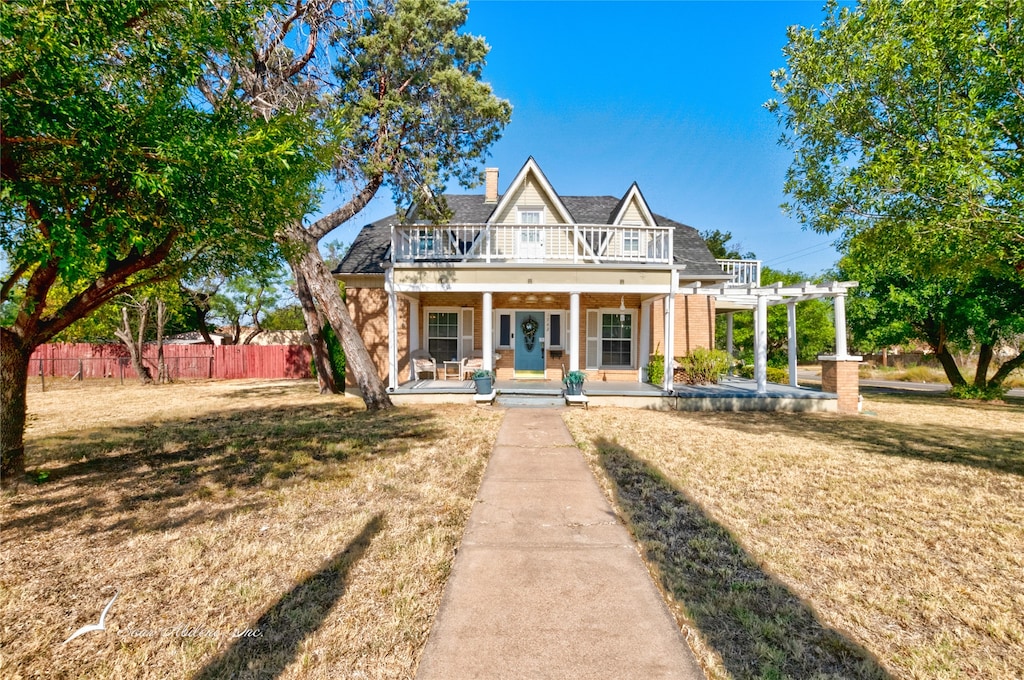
(775, 375)
(656, 369)
(335, 354)
(971, 391)
(703, 366)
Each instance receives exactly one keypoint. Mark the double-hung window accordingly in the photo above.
(443, 335)
(631, 242)
(610, 342)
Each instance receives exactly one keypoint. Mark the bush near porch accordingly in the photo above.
(700, 367)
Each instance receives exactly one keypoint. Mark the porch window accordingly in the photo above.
(443, 335)
(423, 242)
(616, 340)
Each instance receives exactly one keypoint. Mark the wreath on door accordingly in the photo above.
(529, 327)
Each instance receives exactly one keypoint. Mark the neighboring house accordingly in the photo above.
(536, 282)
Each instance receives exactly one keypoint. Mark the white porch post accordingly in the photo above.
(840, 313)
(791, 325)
(670, 322)
(488, 339)
(389, 287)
(414, 332)
(574, 331)
(761, 345)
(645, 336)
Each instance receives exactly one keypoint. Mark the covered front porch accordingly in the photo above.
(731, 394)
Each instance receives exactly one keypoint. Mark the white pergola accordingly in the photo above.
(759, 298)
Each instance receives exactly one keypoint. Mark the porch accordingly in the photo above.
(731, 394)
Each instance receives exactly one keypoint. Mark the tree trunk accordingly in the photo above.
(984, 361)
(948, 362)
(14, 360)
(163, 375)
(325, 290)
(324, 371)
(1006, 369)
(135, 348)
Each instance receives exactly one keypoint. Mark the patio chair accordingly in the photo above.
(474, 362)
(422, 362)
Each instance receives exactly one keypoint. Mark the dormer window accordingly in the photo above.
(531, 215)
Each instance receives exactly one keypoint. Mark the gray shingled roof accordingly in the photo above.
(370, 247)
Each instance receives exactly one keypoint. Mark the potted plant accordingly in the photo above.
(574, 382)
(484, 381)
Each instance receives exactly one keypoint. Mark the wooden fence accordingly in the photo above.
(183, 361)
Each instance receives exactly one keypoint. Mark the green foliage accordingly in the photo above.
(483, 373)
(703, 366)
(656, 369)
(718, 242)
(772, 373)
(985, 393)
(575, 378)
(113, 177)
(287, 318)
(906, 123)
(335, 354)
(815, 331)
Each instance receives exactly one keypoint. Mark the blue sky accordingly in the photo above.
(668, 94)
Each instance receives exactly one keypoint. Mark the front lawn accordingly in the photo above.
(890, 543)
(248, 527)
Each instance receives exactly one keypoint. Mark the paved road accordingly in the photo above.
(898, 385)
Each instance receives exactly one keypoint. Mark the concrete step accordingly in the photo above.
(529, 400)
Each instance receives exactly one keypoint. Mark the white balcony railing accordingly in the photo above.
(744, 272)
(555, 243)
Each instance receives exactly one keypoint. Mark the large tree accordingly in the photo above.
(395, 89)
(906, 120)
(114, 176)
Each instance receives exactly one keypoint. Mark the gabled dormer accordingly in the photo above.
(530, 199)
(633, 209)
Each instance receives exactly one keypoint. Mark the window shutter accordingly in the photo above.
(466, 331)
(593, 338)
(504, 328)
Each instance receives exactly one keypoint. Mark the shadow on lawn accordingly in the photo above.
(1000, 451)
(294, 617)
(148, 477)
(758, 627)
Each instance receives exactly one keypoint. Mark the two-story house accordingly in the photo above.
(536, 282)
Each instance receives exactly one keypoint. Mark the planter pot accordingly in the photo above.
(574, 389)
(483, 385)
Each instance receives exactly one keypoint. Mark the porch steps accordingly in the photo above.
(525, 397)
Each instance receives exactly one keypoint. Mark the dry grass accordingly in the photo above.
(219, 507)
(804, 545)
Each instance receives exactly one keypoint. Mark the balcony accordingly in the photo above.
(743, 272)
(534, 243)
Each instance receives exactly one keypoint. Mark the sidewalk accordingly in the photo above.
(547, 582)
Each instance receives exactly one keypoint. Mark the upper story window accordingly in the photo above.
(631, 242)
(531, 216)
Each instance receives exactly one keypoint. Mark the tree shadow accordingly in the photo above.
(1000, 451)
(755, 623)
(280, 630)
(149, 477)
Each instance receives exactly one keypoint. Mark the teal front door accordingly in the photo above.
(529, 332)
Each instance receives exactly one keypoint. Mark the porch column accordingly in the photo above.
(728, 339)
(645, 336)
(761, 345)
(670, 322)
(791, 325)
(414, 332)
(840, 313)
(488, 339)
(389, 287)
(574, 331)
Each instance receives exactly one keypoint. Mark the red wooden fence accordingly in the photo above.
(183, 361)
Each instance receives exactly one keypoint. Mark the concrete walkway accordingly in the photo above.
(547, 582)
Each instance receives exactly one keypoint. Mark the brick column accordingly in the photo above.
(840, 376)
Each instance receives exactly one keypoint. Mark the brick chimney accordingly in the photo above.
(491, 185)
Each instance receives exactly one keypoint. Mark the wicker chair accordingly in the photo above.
(422, 362)
(474, 362)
